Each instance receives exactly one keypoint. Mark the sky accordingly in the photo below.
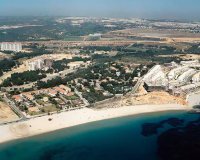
(153, 9)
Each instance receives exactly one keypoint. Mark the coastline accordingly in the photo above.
(63, 120)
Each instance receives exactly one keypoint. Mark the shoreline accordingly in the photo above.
(41, 125)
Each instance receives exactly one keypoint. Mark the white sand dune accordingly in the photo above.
(67, 119)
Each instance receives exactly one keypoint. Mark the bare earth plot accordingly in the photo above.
(154, 98)
(3, 56)
(6, 114)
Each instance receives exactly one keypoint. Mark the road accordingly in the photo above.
(61, 74)
(63, 98)
(81, 97)
(137, 85)
(15, 108)
(139, 82)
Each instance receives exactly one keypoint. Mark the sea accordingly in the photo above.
(123, 138)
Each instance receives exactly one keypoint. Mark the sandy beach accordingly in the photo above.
(42, 125)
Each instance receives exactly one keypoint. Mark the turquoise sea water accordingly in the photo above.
(115, 139)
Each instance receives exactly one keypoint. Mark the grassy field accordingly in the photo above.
(73, 38)
(74, 97)
(46, 109)
(50, 108)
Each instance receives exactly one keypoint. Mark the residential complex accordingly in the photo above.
(7, 46)
(155, 79)
(182, 79)
(51, 99)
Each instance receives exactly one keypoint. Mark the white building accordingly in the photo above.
(189, 63)
(175, 73)
(156, 77)
(39, 64)
(189, 88)
(95, 36)
(186, 76)
(35, 65)
(7, 46)
(152, 72)
(196, 78)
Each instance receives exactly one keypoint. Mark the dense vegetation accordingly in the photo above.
(35, 52)
(22, 78)
(61, 65)
(147, 53)
(194, 49)
(50, 83)
(6, 65)
(94, 96)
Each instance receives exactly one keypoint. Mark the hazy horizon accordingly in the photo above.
(150, 9)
